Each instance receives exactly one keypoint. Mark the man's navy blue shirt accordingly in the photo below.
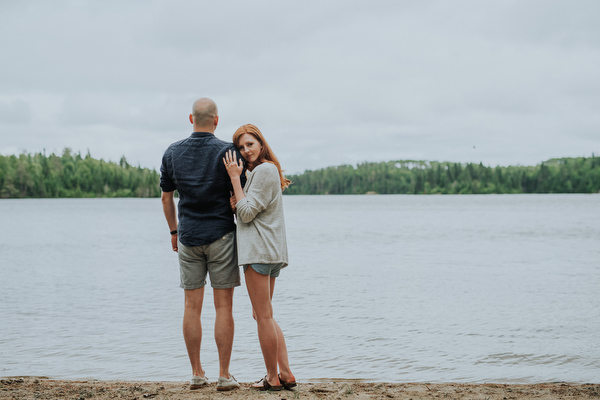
(194, 166)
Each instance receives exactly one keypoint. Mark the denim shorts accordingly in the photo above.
(272, 270)
(218, 259)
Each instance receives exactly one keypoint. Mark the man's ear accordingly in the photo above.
(192, 119)
(216, 121)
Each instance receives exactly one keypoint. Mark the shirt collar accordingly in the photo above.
(198, 135)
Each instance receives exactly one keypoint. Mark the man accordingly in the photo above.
(205, 236)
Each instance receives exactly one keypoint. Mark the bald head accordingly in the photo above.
(204, 115)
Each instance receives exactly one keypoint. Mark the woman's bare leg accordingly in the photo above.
(259, 290)
(282, 355)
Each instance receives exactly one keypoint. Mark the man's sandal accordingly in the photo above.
(263, 384)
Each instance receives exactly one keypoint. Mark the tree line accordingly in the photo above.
(71, 175)
(563, 175)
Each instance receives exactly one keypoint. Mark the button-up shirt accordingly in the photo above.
(194, 167)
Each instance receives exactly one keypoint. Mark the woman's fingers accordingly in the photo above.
(227, 158)
(231, 159)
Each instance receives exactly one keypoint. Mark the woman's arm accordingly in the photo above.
(260, 193)
(232, 203)
(263, 188)
(234, 168)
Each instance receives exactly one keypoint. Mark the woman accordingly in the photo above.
(262, 246)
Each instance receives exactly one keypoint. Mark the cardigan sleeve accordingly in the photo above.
(261, 191)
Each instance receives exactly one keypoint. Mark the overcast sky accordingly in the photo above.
(328, 82)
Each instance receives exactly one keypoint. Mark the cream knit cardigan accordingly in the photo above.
(260, 224)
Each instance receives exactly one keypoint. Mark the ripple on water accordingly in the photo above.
(396, 288)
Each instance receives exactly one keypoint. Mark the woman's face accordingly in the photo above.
(249, 147)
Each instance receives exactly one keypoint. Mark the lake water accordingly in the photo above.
(499, 288)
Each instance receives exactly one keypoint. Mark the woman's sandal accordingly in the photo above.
(288, 385)
(263, 384)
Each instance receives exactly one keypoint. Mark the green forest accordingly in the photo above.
(71, 175)
(564, 175)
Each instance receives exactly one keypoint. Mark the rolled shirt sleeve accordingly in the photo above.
(166, 182)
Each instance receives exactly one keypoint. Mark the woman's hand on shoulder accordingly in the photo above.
(233, 165)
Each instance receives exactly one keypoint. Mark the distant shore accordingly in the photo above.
(44, 388)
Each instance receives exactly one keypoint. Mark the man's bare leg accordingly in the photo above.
(192, 328)
(224, 328)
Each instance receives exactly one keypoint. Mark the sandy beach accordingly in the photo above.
(43, 388)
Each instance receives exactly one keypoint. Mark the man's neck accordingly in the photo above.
(204, 129)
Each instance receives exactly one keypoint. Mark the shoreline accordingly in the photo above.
(46, 388)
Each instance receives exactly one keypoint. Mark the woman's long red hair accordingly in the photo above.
(266, 154)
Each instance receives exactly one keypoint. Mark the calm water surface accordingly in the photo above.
(382, 288)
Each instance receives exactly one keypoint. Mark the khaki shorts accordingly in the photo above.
(218, 259)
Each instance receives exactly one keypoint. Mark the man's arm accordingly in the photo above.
(168, 203)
